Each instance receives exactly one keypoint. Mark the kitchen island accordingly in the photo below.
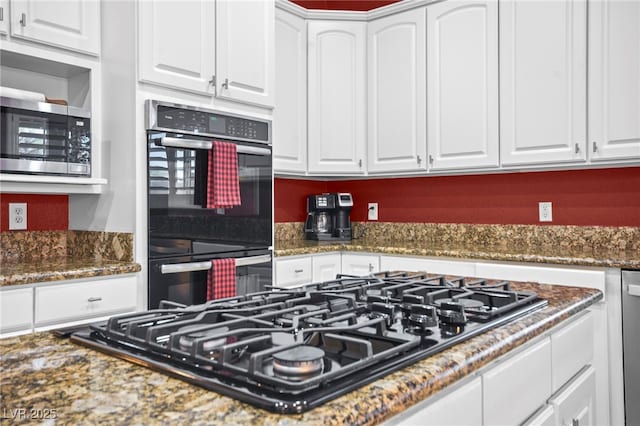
(46, 375)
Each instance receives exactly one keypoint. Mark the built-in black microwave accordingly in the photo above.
(44, 138)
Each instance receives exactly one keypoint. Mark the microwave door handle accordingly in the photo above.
(185, 143)
(176, 268)
(253, 260)
(245, 149)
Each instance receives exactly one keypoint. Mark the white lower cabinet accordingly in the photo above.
(292, 272)
(546, 416)
(325, 267)
(575, 404)
(55, 304)
(435, 266)
(446, 411)
(360, 264)
(16, 310)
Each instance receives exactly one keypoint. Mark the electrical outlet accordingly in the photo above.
(545, 211)
(372, 212)
(17, 216)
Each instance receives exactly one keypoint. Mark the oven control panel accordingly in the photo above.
(209, 123)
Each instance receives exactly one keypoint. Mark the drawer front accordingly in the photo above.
(293, 272)
(571, 349)
(526, 378)
(16, 310)
(80, 300)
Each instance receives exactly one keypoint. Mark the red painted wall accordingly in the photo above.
(359, 5)
(606, 197)
(44, 212)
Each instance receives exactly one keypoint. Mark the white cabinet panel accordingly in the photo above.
(177, 44)
(245, 51)
(290, 113)
(572, 349)
(71, 24)
(64, 302)
(542, 81)
(16, 310)
(527, 375)
(337, 97)
(293, 272)
(397, 94)
(360, 264)
(544, 417)
(614, 79)
(4, 16)
(462, 84)
(435, 266)
(575, 404)
(446, 410)
(325, 267)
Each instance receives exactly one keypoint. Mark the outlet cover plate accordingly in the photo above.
(17, 216)
(372, 211)
(545, 211)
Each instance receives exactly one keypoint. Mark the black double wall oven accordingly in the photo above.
(185, 236)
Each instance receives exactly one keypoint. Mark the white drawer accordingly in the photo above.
(57, 303)
(527, 375)
(293, 272)
(571, 349)
(16, 310)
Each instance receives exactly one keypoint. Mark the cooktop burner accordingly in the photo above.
(289, 350)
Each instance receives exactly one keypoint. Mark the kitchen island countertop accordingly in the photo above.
(551, 254)
(41, 372)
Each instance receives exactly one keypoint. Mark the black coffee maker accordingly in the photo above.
(328, 217)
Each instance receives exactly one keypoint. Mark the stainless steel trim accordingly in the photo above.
(33, 106)
(94, 299)
(185, 143)
(631, 344)
(78, 112)
(32, 166)
(253, 260)
(185, 267)
(151, 120)
(79, 169)
(244, 149)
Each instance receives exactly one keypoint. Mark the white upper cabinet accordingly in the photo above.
(543, 51)
(337, 97)
(614, 80)
(177, 44)
(70, 24)
(462, 84)
(397, 94)
(4, 16)
(290, 113)
(245, 51)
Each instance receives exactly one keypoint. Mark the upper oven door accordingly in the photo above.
(177, 185)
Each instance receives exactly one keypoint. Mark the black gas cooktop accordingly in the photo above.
(289, 350)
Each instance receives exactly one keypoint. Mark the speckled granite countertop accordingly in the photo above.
(602, 257)
(40, 371)
(42, 270)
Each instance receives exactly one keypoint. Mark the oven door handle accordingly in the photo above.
(176, 268)
(253, 260)
(200, 144)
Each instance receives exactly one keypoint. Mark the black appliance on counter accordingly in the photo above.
(185, 236)
(289, 350)
(328, 217)
(44, 138)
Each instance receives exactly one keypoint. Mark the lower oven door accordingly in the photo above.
(184, 279)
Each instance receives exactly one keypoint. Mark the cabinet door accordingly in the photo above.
(245, 51)
(293, 272)
(360, 264)
(462, 84)
(446, 410)
(337, 98)
(176, 44)
(397, 94)
(542, 81)
(614, 80)
(575, 404)
(290, 113)
(16, 310)
(4, 16)
(325, 267)
(71, 24)
(545, 417)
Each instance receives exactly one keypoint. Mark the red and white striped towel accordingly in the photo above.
(221, 279)
(223, 189)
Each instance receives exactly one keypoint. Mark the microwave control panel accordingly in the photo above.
(211, 124)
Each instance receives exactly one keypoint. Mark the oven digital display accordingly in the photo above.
(217, 124)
